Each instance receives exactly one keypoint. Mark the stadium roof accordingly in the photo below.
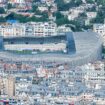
(86, 45)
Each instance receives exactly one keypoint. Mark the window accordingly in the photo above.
(26, 42)
(12, 42)
(41, 42)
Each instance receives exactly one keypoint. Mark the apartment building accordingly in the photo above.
(48, 2)
(38, 29)
(91, 15)
(16, 1)
(100, 29)
(23, 4)
(2, 1)
(94, 75)
(74, 12)
(42, 8)
(41, 29)
(12, 30)
(10, 86)
(22, 85)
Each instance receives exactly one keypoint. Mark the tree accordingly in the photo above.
(2, 11)
(100, 17)
(62, 6)
(58, 15)
(59, 3)
(62, 21)
(34, 8)
(34, 1)
(2, 19)
(93, 9)
(24, 19)
(101, 2)
(90, 1)
(83, 15)
(78, 2)
(9, 6)
(14, 16)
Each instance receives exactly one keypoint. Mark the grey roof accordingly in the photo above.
(35, 40)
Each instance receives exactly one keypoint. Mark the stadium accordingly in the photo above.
(75, 48)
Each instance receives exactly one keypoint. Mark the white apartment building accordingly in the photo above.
(42, 8)
(91, 15)
(12, 30)
(62, 29)
(2, 1)
(22, 86)
(49, 2)
(100, 29)
(38, 29)
(94, 75)
(74, 13)
(16, 1)
(23, 4)
(41, 29)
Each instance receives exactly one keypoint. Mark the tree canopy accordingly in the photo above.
(2, 11)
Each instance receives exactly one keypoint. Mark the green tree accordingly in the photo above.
(90, 1)
(2, 19)
(62, 6)
(101, 2)
(34, 8)
(35, 1)
(100, 17)
(24, 19)
(93, 9)
(2, 11)
(15, 16)
(83, 15)
(58, 15)
(9, 6)
(78, 2)
(62, 21)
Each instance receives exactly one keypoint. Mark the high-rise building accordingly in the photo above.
(10, 86)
